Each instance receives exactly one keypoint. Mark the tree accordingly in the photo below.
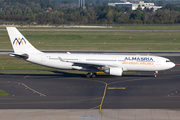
(28, 11)
(137, 15)
(54, 6)
(85, 20)
(65, 2)
(19, 12)
(139, 7)
(44, 3)
(110, 16)
(160, 3)
(7, 13)
(121, 17)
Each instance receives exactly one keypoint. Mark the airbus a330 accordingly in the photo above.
(92, 63)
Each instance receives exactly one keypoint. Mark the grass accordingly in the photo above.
(89, 40)
(3, 93)
(11, 63)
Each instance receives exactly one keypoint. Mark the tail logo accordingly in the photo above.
(19, 41)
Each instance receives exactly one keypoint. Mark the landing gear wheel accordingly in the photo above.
(155, 74)
(88, 75)
(93, 75)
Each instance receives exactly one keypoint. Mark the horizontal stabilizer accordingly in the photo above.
(22, 56)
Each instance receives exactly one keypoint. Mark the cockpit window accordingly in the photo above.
(168, 61)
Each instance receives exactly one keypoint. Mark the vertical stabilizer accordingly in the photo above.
(19, 43)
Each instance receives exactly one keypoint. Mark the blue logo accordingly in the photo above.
(19, 41)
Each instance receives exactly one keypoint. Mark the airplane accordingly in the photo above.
(92, 63)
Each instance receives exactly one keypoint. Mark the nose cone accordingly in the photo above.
(169, 65)
(173, 65)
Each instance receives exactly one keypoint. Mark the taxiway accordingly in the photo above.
(70, 91)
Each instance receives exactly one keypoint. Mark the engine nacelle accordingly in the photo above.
(117, 71)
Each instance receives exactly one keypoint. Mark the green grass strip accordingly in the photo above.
(3, 93)
(99, 40)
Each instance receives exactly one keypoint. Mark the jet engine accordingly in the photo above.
(114, 71)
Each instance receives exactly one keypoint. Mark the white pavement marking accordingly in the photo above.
(41, 94)
(33, 90)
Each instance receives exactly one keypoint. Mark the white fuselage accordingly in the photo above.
(127, 62)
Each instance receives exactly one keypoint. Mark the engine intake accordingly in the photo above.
(117, 71)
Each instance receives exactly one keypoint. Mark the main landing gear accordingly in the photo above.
(155, 74)
(93, 75)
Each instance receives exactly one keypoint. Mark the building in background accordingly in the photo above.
(135, 5)
(69, 5)
(82, 3)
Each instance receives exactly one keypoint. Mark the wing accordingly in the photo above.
(89, 64)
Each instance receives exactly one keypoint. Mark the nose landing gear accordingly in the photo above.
(155, 74)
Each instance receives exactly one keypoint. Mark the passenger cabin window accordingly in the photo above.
(168, 61)
(99, 60)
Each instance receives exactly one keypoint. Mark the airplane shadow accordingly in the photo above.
(57, 73)
(67, 74)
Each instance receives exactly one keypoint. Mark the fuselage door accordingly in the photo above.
(80, 59)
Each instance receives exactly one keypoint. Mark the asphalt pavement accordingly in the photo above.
(71, 91)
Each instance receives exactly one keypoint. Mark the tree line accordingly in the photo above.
(47, 12)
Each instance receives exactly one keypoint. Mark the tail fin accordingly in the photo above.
(19, 43)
